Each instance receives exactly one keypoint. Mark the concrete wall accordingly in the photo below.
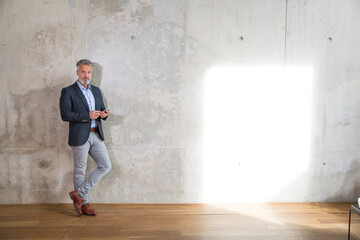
(152, 57)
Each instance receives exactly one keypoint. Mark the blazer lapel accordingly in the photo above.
(96, 97)
(81, 95)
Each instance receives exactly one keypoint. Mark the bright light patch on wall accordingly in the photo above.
(257, 123)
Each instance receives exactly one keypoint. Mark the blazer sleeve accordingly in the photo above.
(66, 109)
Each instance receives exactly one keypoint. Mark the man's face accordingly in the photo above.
(84, 74)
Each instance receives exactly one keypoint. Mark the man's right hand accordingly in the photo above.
(94, 114)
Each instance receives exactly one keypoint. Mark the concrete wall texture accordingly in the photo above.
(152, 58)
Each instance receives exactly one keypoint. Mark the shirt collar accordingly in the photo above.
(82, 87)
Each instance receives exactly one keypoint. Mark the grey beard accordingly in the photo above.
(82, 82)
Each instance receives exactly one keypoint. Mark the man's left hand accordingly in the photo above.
(104, 114)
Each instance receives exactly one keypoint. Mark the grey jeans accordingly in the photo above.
(97, 150)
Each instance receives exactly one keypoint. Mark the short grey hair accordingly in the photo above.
(84, 62)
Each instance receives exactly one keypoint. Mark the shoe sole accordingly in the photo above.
(89, 214)
(76, 209)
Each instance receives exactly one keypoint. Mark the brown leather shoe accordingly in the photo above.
(77, 201)
(87, 210)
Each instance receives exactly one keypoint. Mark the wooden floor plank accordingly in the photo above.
(271, 221)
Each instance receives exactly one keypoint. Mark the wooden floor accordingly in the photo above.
(271, 221)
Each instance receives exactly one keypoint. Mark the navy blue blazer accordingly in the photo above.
(75, 110)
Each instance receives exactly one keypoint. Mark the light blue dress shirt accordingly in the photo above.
(90, 100)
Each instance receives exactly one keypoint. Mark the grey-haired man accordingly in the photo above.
(81, 104)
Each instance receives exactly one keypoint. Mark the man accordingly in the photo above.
(81, 104)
